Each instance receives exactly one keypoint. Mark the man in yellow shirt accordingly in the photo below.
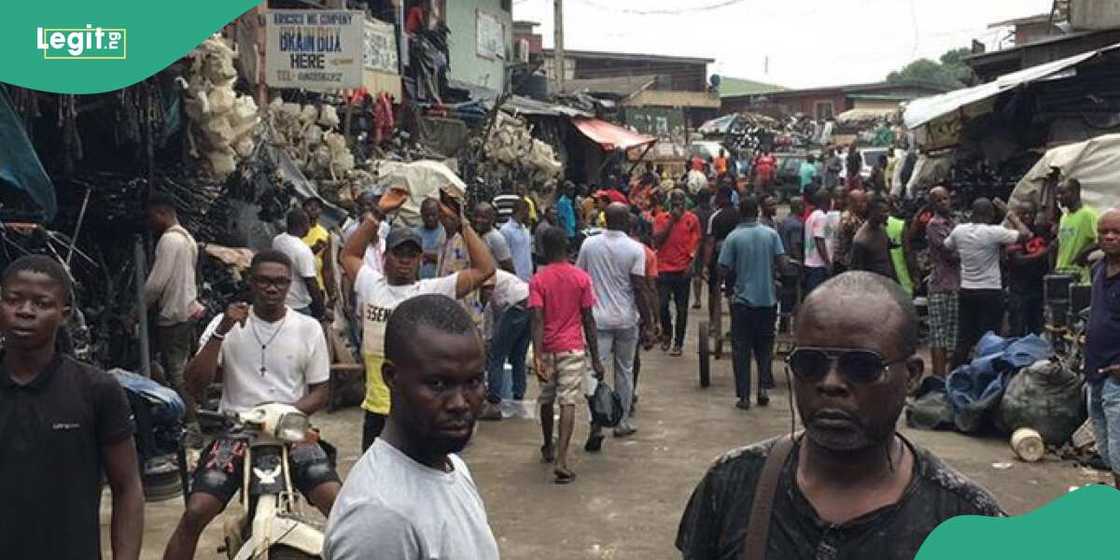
(1077, 232)
(318, 238)
(381, 293)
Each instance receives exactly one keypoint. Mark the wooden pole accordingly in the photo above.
(558, 50)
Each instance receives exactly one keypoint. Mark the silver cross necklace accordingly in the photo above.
(264, 345)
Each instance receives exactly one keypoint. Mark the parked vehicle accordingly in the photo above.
(273, 524)
(870, 157)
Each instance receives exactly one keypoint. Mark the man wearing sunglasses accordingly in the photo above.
(266, 352)
(849, 486)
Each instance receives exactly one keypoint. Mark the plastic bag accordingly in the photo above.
(1046, 398)
(606, 406)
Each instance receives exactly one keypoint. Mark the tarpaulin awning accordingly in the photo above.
(923, 110)
(1095, 163)
(610, 136)
(19, 165)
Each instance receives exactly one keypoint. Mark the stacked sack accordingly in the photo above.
(512, 145)
(308, 135)
(221, 120)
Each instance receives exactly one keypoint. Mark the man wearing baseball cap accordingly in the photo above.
(381, 292)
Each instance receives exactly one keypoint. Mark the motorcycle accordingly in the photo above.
(274, 525)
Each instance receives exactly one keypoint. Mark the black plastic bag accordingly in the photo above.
(606, 406)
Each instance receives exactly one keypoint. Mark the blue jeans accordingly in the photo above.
(1104, 409)
(510, 341)
(619, 346)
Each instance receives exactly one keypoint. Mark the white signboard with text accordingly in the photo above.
(380, 48)
(319, 50)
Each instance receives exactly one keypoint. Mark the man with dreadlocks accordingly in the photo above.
(849, 486)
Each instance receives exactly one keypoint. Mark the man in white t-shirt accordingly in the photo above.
(304, 295)
(981, 297)
(380, 293)
(617, 267)
(410, 496)
(818, 242)
(507, 296)
(262, 353)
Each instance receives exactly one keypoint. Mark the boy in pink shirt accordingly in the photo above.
(561, 299)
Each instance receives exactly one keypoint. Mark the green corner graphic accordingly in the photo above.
(153, 36)
(1073, 526)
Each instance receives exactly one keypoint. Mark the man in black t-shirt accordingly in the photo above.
(716, 229)
(62, 424)
(1027, 264)
(851, 487)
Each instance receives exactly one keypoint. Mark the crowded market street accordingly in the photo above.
(631, 496)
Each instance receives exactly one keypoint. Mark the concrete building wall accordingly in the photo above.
(466, 64)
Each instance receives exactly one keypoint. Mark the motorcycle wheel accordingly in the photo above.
(281, 552)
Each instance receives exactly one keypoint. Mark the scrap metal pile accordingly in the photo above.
(753, 132)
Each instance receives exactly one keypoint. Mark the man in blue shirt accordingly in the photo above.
(748, 260)
(1102, 345)
(432, 238)
(565, 210)
(520, 241)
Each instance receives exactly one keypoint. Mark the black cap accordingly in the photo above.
(399, 236)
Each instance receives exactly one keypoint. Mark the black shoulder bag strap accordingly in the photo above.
(758, 526)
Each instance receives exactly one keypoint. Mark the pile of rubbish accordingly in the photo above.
(1012, 384)
(222, 121)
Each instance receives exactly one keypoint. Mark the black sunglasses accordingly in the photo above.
(857, 366)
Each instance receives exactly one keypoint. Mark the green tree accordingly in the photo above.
(950, 71)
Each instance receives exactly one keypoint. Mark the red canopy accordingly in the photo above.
(611, 137)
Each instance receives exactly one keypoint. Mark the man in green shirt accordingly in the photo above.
(901, 254)
(1077, 232)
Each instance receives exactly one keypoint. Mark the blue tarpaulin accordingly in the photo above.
(20, 167)
(975, 388)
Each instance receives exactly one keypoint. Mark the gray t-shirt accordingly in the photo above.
(499, 249)
(611, 258)
(393, 508)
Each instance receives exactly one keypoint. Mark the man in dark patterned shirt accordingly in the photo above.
(852, 487)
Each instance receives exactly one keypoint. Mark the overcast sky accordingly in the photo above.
(808, 42)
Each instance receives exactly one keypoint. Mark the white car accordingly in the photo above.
(870, 157)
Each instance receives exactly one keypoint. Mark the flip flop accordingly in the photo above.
(548, 454)
(564, 476)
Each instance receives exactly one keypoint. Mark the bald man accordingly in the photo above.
(981, 297)
(617, 266)
(850, 484)
(851, 219)
(1102, 344)
(944, 283)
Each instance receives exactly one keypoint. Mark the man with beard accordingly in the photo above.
(849, 486)
(410, 496)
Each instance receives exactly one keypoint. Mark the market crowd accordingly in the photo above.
(588, 280)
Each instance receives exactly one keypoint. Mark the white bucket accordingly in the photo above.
(1028, 445)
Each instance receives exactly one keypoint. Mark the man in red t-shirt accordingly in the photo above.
(561, 300)
(676, 235)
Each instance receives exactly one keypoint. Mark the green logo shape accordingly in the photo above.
(94, 46)
(1073, 526)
